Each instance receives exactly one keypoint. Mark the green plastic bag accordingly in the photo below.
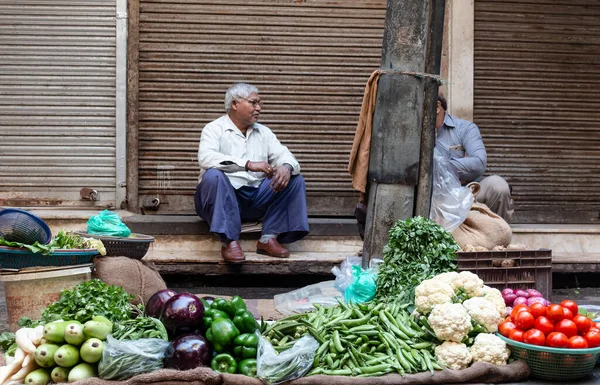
(363, 286)
(107, 223)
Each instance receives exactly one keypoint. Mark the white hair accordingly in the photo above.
(238, 91)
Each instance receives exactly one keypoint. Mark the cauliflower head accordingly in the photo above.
(432, 292)
(450, 322)
(446, 277)
(453, 355)
(484, 312)
(470, 284)
(495, 297)
(489, 348)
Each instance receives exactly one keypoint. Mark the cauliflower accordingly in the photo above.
(495, 297)
(484, 312)
(453, 355)
(450, 322)
(432, 292)
(468, 283)
(446, 277)
(489, 348)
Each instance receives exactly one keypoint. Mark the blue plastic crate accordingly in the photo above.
(19, 258)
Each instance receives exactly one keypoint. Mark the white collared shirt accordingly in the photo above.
(224, 147)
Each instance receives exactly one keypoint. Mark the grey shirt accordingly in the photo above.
(461, 141)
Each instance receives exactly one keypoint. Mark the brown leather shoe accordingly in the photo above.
(272, 248)
(232, 253)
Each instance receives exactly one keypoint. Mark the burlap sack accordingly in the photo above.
(483, 228)
(136, 277)
(479, 372)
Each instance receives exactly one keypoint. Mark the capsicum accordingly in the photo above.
(221, 334)
(219, 304)
(245, 345)
(247, 367)
(224, 363)
(235, 304)
(212, 314)
(245, 322)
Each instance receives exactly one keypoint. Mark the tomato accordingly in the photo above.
(571, 305)
(538, 309)
(568, 313)
(593, 338)
(534, 337)
(506, 327)
(578, 342)
(524, 320)
(557, 340)
(544, 325)
(583, 323)
(595, 325)
(518, 308)
(555, 313)
(566, 326)
(516, 335)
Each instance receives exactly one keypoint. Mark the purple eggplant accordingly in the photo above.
(155, 304)
(188, 352)
(182, 312)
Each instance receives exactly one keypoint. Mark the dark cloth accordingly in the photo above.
(225, 208)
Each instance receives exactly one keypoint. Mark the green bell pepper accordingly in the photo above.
(219, 304)
(247, 367)
(245, 322)
(235, 304)
(212, 314)
(221, 334)
(224, 363)
(245, 345)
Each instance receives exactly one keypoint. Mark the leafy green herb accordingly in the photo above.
(87, 300)
(418, 249)
(63, 240)
(7, 341)
(140, 327)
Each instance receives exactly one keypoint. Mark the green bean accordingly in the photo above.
(336, 342)
(338, 372)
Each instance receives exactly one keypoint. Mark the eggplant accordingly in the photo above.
(182, 313)
(188, 352)
(155, 304)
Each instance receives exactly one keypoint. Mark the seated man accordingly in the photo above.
(246, 174)
(461, 140)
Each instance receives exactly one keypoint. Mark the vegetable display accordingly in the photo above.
(62, 240)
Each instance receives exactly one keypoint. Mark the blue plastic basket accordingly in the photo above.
(22, 226)
(19, 258)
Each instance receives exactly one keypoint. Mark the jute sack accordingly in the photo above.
(136, 277)
(483, 228)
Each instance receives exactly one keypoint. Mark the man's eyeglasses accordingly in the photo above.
(255, 103)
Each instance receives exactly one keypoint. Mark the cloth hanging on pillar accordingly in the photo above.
(358, 166)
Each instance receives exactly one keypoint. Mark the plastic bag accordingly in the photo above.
(450, 202)
(357, 284)
(124, 359)
(107, 223)
(273, 368)
(302, 300)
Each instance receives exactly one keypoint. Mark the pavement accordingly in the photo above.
(588, 298)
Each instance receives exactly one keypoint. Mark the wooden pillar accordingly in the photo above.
(404, 119)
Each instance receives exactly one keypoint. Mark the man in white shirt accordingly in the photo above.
(246, 174)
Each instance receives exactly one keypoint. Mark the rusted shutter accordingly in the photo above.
(57, 101)
(537, 91)
(310, 60)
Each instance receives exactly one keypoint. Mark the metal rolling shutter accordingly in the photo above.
(537, 65)
(310, 60)
(57, 101)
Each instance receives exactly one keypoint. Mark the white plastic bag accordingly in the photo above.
(302, 300)
(450, 202)
(355, 283)
(273, 368)
(124, 359)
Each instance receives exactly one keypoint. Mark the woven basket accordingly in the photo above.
(135, 246)
(20, 258)
(554, 364)
(22, 226)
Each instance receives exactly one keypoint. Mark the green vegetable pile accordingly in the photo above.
(359, 340)
(86, 300)
(140, 327)
(418, 249)
(63, 240)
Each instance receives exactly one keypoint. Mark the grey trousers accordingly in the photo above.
(495, 194)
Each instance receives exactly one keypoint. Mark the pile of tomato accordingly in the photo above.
(555, 325)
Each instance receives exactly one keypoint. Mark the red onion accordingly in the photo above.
(521, 293)
(532, 300)
(507, 290)
(520, 300)
(509, 298)
(533, 293)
